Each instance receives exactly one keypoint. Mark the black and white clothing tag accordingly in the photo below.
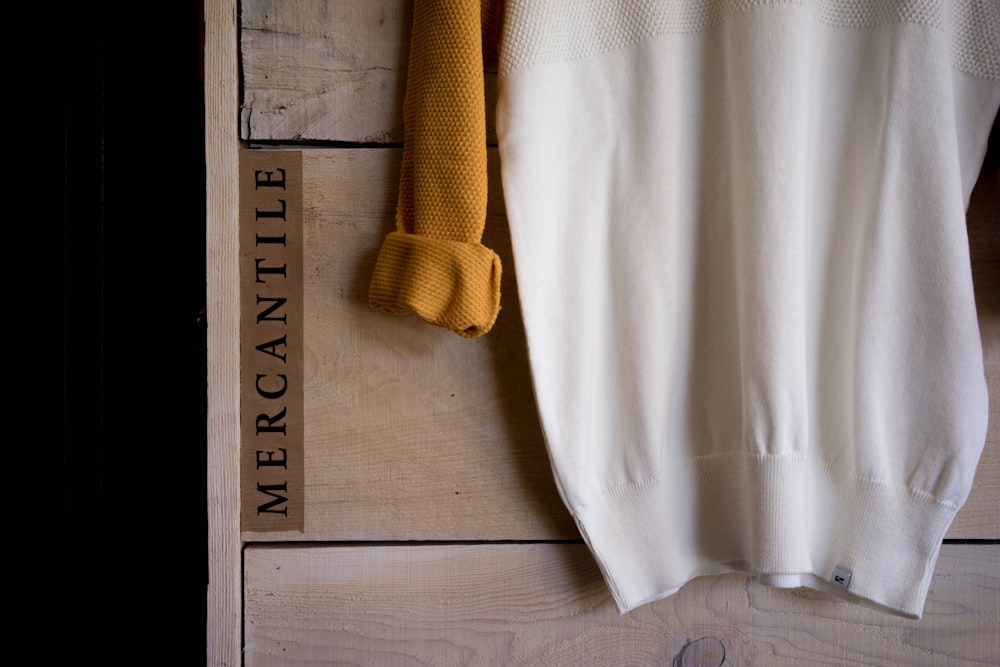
(841, 577)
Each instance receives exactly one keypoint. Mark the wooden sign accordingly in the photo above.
(271, 341)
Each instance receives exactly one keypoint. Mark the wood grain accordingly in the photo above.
(222, 258)
(545, 604)
(322, 70)
(411, 432)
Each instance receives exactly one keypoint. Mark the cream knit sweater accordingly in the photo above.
(739, 236)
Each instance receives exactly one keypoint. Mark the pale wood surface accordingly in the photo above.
(415, 433)
(222, 291)
(323, 70)
(411, 431)
(545, 604)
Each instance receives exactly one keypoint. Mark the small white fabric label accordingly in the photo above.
(841, 577)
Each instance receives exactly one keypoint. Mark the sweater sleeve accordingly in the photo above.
(434, 263)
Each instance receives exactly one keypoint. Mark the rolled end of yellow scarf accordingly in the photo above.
(452, 284)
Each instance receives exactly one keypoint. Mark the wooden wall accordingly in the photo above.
(433, 530)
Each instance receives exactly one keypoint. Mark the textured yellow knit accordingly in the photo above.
(434, 263)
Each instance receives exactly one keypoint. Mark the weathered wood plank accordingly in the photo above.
(222, 245)
(322, 70)
(415, 433)
(545, 604)
(411, 432)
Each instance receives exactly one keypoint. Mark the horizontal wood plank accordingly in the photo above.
(546, 604)
(411, 432)
(322, 70)
(415, 433)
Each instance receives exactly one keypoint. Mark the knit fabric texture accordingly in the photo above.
(744, 278)
(434, 264)
(540, 32)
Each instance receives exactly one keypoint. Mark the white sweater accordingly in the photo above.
(740, 247)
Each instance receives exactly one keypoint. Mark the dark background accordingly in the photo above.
(122, 563)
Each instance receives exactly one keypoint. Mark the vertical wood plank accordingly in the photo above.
(222, 240)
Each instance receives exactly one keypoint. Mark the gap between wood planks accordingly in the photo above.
(436, 543)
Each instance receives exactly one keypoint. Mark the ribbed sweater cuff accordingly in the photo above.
(452, 284)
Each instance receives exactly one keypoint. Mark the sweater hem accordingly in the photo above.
(789, 521)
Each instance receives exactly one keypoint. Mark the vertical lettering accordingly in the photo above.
(270, 489)
(271, 348)
(269, 420)
(271, 331)
(268, 270)
(277, 393)
(277, 240)
(268, 181)
(276, 302)
(283, 461)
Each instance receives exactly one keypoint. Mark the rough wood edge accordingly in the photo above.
(546, 604)
(224, 616)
